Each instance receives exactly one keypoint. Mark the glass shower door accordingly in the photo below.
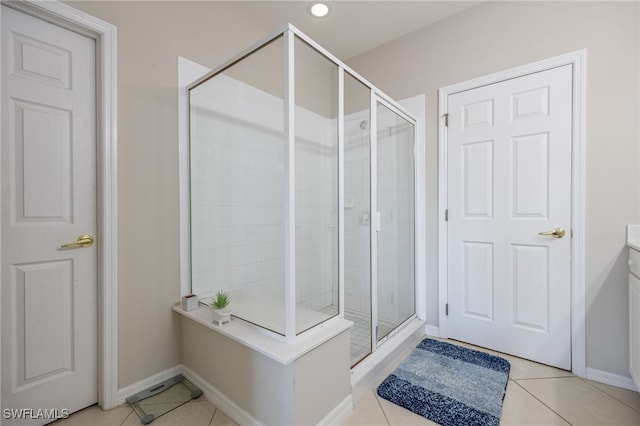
(378, 218)
(396, 207)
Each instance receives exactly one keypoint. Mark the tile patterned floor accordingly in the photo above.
(536, 395)
(198, 412)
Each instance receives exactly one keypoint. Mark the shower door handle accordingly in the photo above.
(378, 222)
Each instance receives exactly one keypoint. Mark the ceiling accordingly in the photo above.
(354, 27)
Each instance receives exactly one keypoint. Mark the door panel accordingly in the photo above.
(41, 145)
(530, 286)
(44, 289)
(509, 177)
(478, 179)
(48, 176)
(478, 280)
(530, 176)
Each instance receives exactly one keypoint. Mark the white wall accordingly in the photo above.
(495, 36)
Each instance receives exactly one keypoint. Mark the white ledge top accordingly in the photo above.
(633, 236)
(257, 339)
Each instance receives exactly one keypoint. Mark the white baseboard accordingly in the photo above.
(611, 379)
(143, 384)
(220, 400)
(339, 414)
(212, 394)
(432, 330)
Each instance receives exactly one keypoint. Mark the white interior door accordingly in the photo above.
(48, 183)
(509, 177)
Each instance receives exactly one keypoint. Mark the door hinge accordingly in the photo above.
(446, 119)
(446, 215)
(446, 309)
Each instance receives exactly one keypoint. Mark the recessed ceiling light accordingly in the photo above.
(319, 10)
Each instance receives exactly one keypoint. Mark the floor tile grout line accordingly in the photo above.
(544, 378)
(610, 395)
(212, 415)
(384, 413)
(542, 402)
(127, 416)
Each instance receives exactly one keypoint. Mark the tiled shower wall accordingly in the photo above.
(316, 211)
(357, 214)
(237, 214)
(237, 174)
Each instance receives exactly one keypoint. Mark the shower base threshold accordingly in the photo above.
(399, 340)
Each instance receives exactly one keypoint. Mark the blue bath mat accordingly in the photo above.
(449, 384)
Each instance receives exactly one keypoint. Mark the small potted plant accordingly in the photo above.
(220, 311)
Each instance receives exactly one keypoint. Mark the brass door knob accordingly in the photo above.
(555, 233)
(83, 241)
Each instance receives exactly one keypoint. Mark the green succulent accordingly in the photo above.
(221, 300)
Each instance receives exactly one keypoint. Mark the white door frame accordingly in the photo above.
(105, 36)
(578, 61)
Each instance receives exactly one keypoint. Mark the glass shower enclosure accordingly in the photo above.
(302, 193)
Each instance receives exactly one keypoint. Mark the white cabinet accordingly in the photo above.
(633, 241)
(634, 324)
